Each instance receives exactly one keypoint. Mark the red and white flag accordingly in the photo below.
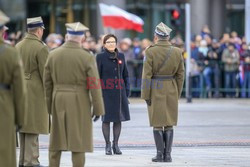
(117, 18)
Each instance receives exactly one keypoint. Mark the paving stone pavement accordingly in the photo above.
(182, 157)
(209, 133)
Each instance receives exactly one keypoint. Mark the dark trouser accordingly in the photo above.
(212, 78)
(197, 83)
(78, 159)
(246, 85)
(230, 83)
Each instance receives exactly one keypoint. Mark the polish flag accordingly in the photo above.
(117, 18)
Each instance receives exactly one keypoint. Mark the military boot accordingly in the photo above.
(168, 137)
(158, 137)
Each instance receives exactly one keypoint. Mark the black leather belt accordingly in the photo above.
(4, 86)
(163, 77)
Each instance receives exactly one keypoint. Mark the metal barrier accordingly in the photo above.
(202, 91)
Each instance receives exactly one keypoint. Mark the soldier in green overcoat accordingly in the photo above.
(163, 77)
(34, 54)
(66, 79)
(12, 98)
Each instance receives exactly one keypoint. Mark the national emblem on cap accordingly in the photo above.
(3, 19)
(76, 28)
(162, 30)
(35, 22)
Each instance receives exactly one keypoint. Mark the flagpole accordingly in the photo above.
(112, 30)
(188, 37)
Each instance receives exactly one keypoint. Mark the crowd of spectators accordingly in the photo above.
(219, 67)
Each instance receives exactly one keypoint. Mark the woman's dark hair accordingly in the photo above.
(106, 37)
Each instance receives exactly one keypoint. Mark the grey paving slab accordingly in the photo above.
(182, 157)
(213, 132)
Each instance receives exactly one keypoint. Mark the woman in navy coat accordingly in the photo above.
(115, 87)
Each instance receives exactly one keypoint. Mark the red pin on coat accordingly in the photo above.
(119, 61)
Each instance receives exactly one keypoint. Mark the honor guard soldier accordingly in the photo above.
(163, 76)
(69, 100)
(12, 98)
(34, 54)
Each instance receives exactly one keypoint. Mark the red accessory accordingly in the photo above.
(118, 18)
(119, 61)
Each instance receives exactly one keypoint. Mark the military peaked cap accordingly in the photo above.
(76, 28)
(35, 22)
(162, 30)
(3, 19)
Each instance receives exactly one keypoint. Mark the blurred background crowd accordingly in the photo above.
(219, 67)
(219, 56)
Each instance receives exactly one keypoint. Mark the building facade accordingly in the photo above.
(220, 15)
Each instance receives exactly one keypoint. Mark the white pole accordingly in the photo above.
(247, 21)
(188, 50)
(112, 31)
(105, 30)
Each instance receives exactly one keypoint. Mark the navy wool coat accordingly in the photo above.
(115, 85)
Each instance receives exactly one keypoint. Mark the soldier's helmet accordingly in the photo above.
(162, 30)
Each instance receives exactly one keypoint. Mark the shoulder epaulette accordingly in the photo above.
(52, 49)
(90, 52)
(86, 50)
(150, 46)
(43, 43)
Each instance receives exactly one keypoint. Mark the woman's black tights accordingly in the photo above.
(116, 131)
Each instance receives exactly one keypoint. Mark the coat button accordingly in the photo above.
(115, 69)
(115, 77)
(113, 60)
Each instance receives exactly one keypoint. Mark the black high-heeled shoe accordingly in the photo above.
(116, 149)
(108, 149)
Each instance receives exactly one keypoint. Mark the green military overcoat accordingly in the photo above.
(12, 102)
(34, 54)
(69, 99)
(164, 93)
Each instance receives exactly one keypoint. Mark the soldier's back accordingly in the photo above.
(34, 55)
(8, 60)
(29, 48)
(12, 104)
(158, 52)
(69, 64)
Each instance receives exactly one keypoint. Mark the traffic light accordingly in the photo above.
(175, 14)
(175, 17)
